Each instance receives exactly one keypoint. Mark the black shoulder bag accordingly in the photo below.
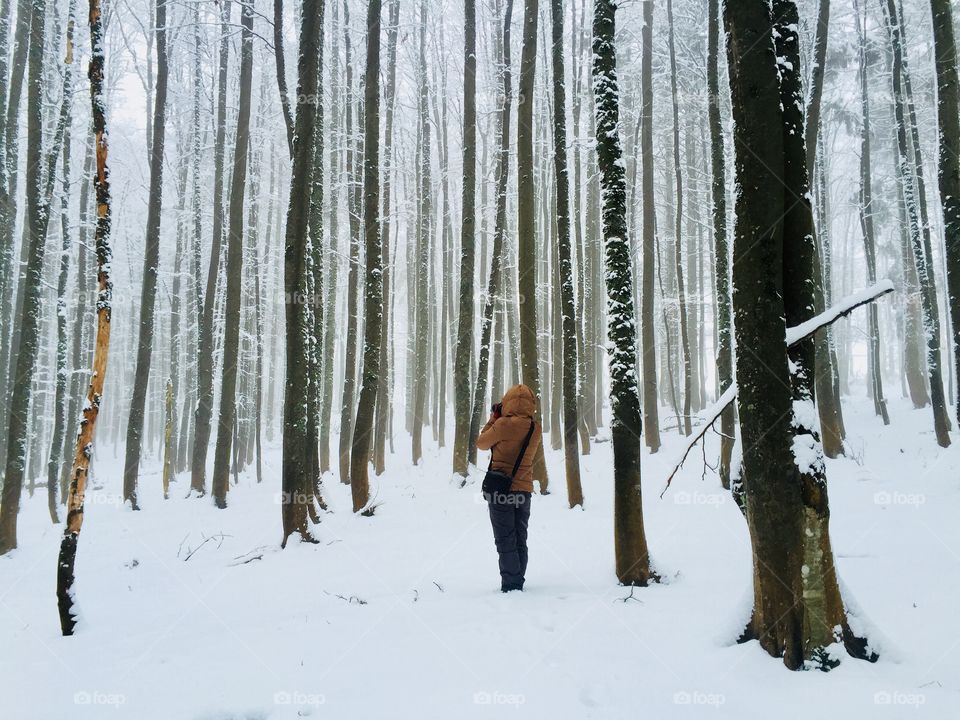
(498, 483)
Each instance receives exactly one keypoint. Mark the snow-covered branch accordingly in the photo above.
(794, 335)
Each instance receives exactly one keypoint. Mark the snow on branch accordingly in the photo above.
(794, 335)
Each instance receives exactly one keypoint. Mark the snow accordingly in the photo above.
(399, 615)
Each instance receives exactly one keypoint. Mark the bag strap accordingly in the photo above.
(523, 450)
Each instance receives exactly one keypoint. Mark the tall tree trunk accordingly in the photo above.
(948, 123)
(718, 171)
(373, 299)
(204, 412)
(151, 268)
(91, 410)
(463, 358)
(231, 339)
(494, 283)
(919, 232)
(828, 401)
(422, 261)
(796, 600)
(678, 230)
(630, 543)
(297, 483)
(869, 242)
(60, 419)
(571, 417)
(35, 230)
(353, 273)
(9, 171)
(651, 421)
(384, 386)
(526, 223)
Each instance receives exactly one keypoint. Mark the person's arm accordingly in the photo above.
(489, 435)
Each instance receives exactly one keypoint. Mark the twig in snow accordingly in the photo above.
(207, 539)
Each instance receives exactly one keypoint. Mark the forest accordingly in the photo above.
(267, 269)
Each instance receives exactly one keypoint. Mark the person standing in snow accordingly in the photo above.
(513, 436)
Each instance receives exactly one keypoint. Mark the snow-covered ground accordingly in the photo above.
(400, 615)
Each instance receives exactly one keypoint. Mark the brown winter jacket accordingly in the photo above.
(505, 434)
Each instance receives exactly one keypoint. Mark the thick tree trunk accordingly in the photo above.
(630, 544)
(297, 483)
(373, 298)
(823, 611)
(796, 600)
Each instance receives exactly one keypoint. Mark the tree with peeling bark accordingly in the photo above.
(79, 475)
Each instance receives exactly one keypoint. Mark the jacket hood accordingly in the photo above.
(519, 401)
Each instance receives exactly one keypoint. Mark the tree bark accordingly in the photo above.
(204, 413)
(919, 232)
(948, 123)
(297, 483)
(91, 410)
(571, 417)
(373, 298)
(651, 421)
(231, 339)
(630, 544)
(151, 268)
